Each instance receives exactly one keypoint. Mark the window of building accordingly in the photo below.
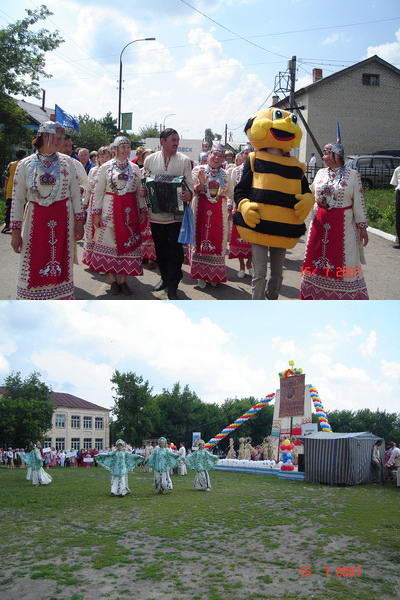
(87, 422)
(75, 421)
(60, 443)
(87, 443)
(60, 420)
(47, 443)
(370, 79)
(75, 443)
(98, 444)
(99, 423)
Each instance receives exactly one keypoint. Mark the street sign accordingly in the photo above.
(126, 121)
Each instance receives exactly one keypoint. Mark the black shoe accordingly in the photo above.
(115, 289)
(160, 286)
(397, 246)
(172, 294)
(125, 289)
(6, 230)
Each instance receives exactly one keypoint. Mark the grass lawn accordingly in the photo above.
(246, 539)
(381, 209)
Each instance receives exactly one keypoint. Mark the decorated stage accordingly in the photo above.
(256, 467)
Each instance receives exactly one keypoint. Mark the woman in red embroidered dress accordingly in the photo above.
(207, 254)
(116, 216)
(335, 246)
(46, 186)
(103, 156)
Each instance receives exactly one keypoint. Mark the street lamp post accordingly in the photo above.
(166, 116)
(120, 75)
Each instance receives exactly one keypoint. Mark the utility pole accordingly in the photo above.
(292, 71)
(226, 133)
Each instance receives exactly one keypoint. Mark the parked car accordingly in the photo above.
(375, 170)
(390, 152)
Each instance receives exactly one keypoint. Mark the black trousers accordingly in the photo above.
(398, 215)
(169, 252)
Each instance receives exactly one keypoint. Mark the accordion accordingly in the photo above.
(164, 193)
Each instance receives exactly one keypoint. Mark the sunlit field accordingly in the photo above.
(252, 537)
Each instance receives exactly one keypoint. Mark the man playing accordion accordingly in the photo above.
(165, 226)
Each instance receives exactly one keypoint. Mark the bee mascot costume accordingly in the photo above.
(273, 197)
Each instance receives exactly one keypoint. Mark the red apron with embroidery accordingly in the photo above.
(126, 222)
(49, 252)
(209, 226)
(325, 254)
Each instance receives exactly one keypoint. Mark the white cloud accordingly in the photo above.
(90, 380)
(331, 39)
(367, 348)
(391, 369)
(355, 331)
(162, 336)
(389, 51)
(284, 346)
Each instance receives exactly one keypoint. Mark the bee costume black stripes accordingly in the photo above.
(273, 197)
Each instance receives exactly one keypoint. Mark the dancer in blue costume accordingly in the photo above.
(34, 461)
(161, 460)
(201, 461)
(119, 462)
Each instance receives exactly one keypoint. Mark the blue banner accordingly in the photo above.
(66, 120)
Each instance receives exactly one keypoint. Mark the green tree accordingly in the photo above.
(132, 394)
(109, 124)
(180, 413)
(25, 410)
(22, 54)
(209, 137)
(92, 133)
(13, 129)
(149, 131)
(22, 64)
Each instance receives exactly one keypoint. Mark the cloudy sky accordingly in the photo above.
(209, 69)
(348, 350)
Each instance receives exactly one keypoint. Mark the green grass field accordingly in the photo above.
(381, 209)
(247, 539)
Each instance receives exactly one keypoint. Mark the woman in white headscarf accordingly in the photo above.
(117, 212)
(338, 234)
(46, 218)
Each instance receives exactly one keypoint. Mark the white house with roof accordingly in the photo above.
(363, 98)
(77, 424)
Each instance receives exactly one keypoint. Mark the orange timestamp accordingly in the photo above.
(339, 272)
(339, 571)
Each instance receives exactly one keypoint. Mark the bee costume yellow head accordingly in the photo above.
(274, 198)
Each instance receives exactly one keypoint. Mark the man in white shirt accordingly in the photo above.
(165, 227)
(394, 460)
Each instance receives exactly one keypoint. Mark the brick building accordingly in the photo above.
(363, 98)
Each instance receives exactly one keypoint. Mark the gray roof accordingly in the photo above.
(363, 63)
(330, 436)
(35, 111)
(67, 401)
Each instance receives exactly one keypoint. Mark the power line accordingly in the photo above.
(233, 32)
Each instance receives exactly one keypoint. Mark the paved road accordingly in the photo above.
(382, 276)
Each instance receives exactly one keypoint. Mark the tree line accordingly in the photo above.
(138, 414)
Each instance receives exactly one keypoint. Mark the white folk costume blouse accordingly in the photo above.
(44, 180)
(179, 164)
